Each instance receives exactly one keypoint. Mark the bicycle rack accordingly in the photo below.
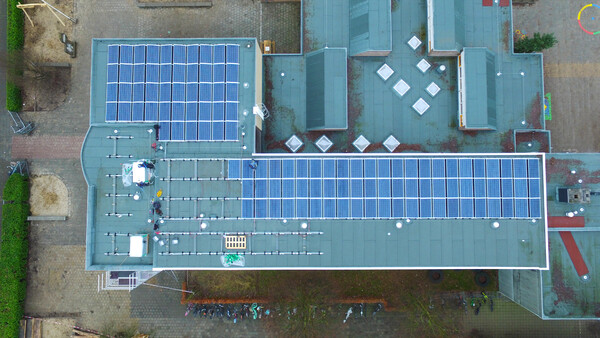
(20, 127)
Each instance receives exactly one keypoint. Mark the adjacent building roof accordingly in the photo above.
(478, 88)
(370, 28)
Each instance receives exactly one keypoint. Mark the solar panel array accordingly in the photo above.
(371, 188)
(190, 90)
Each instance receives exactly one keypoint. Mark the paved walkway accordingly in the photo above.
(47, 146)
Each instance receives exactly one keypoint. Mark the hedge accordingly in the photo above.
(14, 249)
(15, 39)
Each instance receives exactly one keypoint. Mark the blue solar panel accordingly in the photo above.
(125, 92)
(232, 73)
(479, 187)
(385, 208)
(425, 188)
(137, 112)
(274, 168)
(397, 188)
(139, 73)
(218, 111)
(179, 73)
(112, 73)
(342, 168)
(204, 111)
(370, 208)
(479, 168)
(231, 111)
(534, 168)
(439, 188)
(507, 187)
(166, 54)
(343, 189)
(412, 207)
(274, 208)
(233, 53)
(205, 53)
(343, 208)
(439, 168)
(494, 208)
(219, 54)
(164, 111)
(316, 189)
(191, 73)
(126, 54)
(302, 188)
(260, 208)
(315, 168)
(534, 188)
(397, 208)
(425, 208)
(177, 131)
(274, 188)
(508, 207)
(112, 91)
(247, 208)
(465, 167)
(356, 188)
(287, 208)
(139, 54)
(287, 168)
(262, 169)
(357, 208)
(452, 168)
(301, 208)
(193, 54)
(425, 168)
(520, 168)
(301, 168)
(466, 207)
(370, 168)
(218, 73)
(260, 188)
(466, 187)
(329, 168)
(205, 92)
(506, 168)
(151, 92)
(113, 53)
(164, 131)
(520, 187)
(329, 188)
(383, 168)
(203, 131)
(521, 208)
(370, 187)
(534, 208)
(206, 73)
(153, 73)
(329, 208)
(152, 54)
(151, 111)
(191, 92)
(412, 187)
(178, 111)
(316, 208)
(164, 92)
(178, 92)
(232, 92)
(493, 188)
(411, 168)
(397, 168)
(125, 73)
(493, 168)
(233, 169)
(191, 131)
(439, 208)
(452, 207)
(452, 187)
(179, 55)
(166, 73)
(111, 112)
(480, 208)
(231, 131)
(384, 188)
(356, 168)
(287, 188)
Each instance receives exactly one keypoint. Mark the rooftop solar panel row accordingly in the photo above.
(172, 84)
(388, 188)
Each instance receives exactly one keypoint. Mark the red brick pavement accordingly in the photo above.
(46, 147)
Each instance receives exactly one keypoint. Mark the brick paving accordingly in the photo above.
(47, 147)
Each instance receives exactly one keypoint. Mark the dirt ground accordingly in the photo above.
(43, 45)
(49, 196)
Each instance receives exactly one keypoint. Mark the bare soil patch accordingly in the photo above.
(49, 196)
(43, 45)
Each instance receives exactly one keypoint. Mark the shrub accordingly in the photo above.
(16, 189)
(13, 256)
(538, 43)
(15, 39)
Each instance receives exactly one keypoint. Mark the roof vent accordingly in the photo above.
(294, 143)
(361, 143)
(385, 72)
(414, 42)
(433, 89)
(423, 65)
(323, 143)
(401, 87)
(420, 106)
(391, 143)
(234, 242)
